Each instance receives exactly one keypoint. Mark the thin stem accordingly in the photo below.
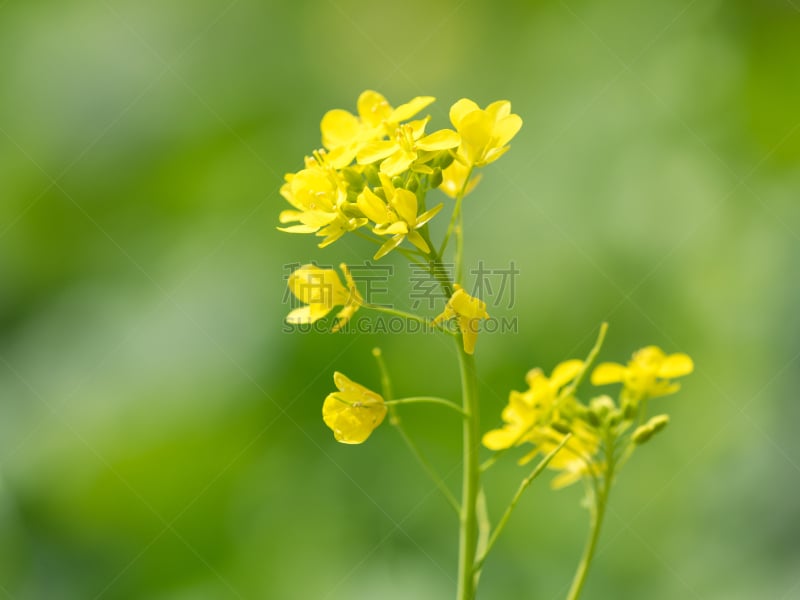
(468, 530)
(432, 474)
(601, 493)
(515, 500)
(590, 358)
(406, 315)
(394, 419)
(456, 211)
(427, 400)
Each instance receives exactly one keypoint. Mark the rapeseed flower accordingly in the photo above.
(647, 375)
(353, 412)
(322, 290)
(469, 311)
(485, 133)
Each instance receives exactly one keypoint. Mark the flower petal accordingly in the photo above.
(376, 151)
(499, 439)
(313, 285)
(373, 108)
(566, 372)
(398, 162)
(608, 373)
(338, 128)
(443, 139)
(506, 128)
(409, 109)
(388, 246)
(460, 109)
(405, 203)
(676, 365)
(373, 207)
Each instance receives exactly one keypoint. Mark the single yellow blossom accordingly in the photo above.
(344, 134)
(322, 290)
(532, 409)
(484, 133)
(647, 374)
(319, 196)
(353, 412)
(396, 216)
(409, 143)
(469, 311)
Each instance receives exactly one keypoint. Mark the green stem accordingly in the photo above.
(590, 358)
(468, 530)
(454, 218)
(427, 400)
(394, 419)
(406, 315)
(601, 493)
(515, 500)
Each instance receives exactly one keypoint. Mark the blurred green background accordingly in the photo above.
(160, 434)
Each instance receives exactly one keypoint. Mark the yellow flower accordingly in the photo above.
(409, 141)
(353, 412)
(485, 133)
(396, 216)
(322, 290)
(455, 176)
(344, 134)
(320, 197)
(469, 311)
(647, 375)
(534, 408)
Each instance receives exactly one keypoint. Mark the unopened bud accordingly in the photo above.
(436, 178)
(649, 429)
(561, 427)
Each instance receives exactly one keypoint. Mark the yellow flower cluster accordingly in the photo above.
(375, 167)
(548, 410)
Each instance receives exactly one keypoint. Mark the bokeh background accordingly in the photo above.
(160, 432)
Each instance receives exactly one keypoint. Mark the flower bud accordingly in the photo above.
(561, 427)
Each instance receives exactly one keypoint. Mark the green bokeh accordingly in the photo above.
(160, 432)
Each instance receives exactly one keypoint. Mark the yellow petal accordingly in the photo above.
(339, 128)
(409, 109)
(476, 131)
(499, 439)
(608, 373)
(298, 229)
(506, 128)
(467, 305)
(307, 314)
(388, 246)
(376, 151)
(398, 162)
(499, 109)
(428, 215)
(469, 332)
(313, 285)
(676, 365)
(439, 140)
(460, 109)
(566, 372)
(405, 203)
(373, 108)
(373, 207)
(415, 238)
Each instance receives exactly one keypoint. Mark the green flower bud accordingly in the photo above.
(436, 178)
(561, 427)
